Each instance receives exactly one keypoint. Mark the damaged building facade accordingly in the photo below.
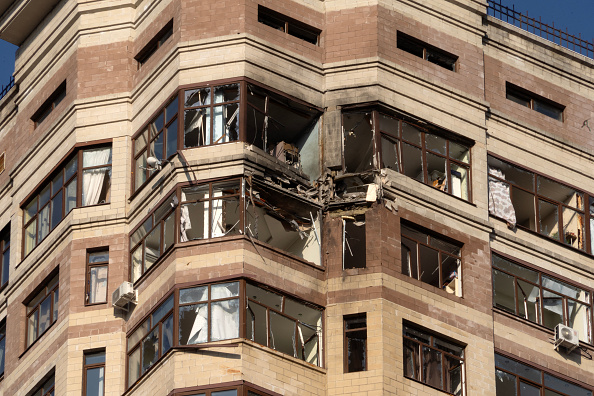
(294, 197)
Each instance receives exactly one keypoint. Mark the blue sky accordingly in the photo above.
(575, 15)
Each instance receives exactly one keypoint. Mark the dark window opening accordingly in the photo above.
(155, 43)
(354, 242)
(534, 101)
(2, 347)
(426, 51)
(46, 388)
(288, 25)
(94, 373)
(355, 343)
(50, 104)
(431, 259)
(434, 157)
(4, 255)
(541, 299)
(433, 360)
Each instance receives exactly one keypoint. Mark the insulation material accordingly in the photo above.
(500, 203)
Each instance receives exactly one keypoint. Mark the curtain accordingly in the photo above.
(98, 286)
(500, 203)
(93, 179)
(199, 332)
(185, 223)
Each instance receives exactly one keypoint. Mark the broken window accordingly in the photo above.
(153, 237)
(59, 193)
(283, 222)
(539, 203)
(283, 127)
(284, 324)
(534, 101)
(355, 343)
(210, 210)
(431, 259)
(215, 312)
(426, 51)
(4, 255)
(432, 158)
(433, 360)
(540, 298)
(158, 140)
(353, 242)
(515, 378)
(151, 340)
(288, 25)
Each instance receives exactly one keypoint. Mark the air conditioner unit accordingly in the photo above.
(123, 295)
(566, 337)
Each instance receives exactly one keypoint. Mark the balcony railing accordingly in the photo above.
(535, 26)
(7, 88)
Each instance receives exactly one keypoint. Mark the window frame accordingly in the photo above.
(2, 162)
(397, 140)
(543, 373)
(529, 99)
(174, 313)
(34, 310)
(420, 344)
(403, 40)
(50, 382)
(87, 367)
(49, 105)
(431, 234)
(4, 256)
(540, 273)
(588, 200)
(243, 388)
(74, 156)
(154, 44)
(89, 267)
(243, 107)
(288, 25)
(346, 331)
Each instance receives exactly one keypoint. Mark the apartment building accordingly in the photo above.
(294, 197)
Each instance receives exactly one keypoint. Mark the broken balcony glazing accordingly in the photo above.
(281, 126)
(226, 208)
(372, 139)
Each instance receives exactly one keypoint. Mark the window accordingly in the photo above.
(151, 340)
(4, 255)
(2, 347)
(526, 199)
(284, 324)
(540, 298)
(433, 360)
(2, 162)
(288, 25)
(515, 378)
(47, 388)
(431, 258)
(96, 285)
(62, 191)
(355, 343)
(534, 101)
(222, 311)
(50, 104)
(221, 390)
(154, 44)
(213, 114)
(227, 208)
(431, 156)
(158, 139)
(94, 373)
(42, 310)
(354, 242)
(426, 51)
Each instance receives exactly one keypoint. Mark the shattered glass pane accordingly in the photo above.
(432, 372)
(411, 133)
(548, 219)
(358, 142)
(436, 143)
(197, 127)
(197, 97)
(523, 203)
(412, 162)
